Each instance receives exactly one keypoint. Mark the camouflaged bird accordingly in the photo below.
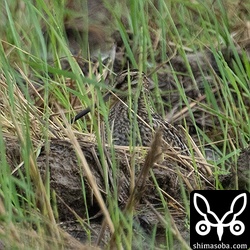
(132, 119)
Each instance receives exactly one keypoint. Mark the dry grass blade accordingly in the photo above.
(155, 151)
(172, 227)
(68, 237)
(184, 111)
(23, 105)
(205, 166)
(41, 195)
(68, 131)
(152, 157)
(17, 234)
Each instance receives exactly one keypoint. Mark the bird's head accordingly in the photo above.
(128, 82)
(131, 81)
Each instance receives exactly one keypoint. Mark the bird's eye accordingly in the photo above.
(120, 81)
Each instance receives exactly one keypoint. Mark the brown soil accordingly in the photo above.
(66, 180)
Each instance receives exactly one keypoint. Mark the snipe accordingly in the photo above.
(132, 120)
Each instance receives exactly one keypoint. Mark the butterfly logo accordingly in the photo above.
(203, 227)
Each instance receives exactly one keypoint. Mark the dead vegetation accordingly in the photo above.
(70, 160)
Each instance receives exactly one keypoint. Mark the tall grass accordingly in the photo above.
(33, 42)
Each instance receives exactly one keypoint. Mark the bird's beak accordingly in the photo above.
(87, 110)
